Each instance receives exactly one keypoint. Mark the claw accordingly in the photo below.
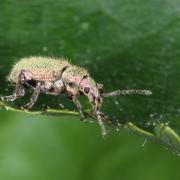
(7, 98)
(82, 117)
(25, 107)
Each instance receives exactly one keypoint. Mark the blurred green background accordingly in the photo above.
(124, 44)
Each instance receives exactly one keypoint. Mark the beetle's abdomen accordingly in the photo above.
(42, 68)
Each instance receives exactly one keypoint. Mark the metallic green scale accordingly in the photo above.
(42, 68)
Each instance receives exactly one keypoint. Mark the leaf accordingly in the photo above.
(123, 44)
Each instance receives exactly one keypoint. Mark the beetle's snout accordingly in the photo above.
(94, 96)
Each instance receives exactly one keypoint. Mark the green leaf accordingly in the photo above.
(123, 44)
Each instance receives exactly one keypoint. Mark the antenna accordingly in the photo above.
(127, 92)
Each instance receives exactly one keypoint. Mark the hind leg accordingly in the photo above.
(19, 90)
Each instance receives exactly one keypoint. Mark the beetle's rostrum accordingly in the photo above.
(54, 76)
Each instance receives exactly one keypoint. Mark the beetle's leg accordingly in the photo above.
(100, 116)
(34, 97)
(100, 119)
(19, 90)
(78, 104)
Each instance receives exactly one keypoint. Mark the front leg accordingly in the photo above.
(79, 107)
(34, 97)
(100, 117)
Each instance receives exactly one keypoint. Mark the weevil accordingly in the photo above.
(54, 76)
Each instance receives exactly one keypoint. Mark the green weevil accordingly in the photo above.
(54, 76)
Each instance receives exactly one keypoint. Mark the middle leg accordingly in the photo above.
(34, 97)
(78, 104)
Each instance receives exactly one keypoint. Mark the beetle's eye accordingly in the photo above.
(86, 90)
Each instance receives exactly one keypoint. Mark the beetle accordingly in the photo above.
(54, 76)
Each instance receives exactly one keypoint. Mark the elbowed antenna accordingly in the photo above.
(127, 92)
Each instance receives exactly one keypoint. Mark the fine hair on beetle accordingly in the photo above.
(55, 76)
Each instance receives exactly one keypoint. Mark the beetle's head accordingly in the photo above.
(92, 90)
